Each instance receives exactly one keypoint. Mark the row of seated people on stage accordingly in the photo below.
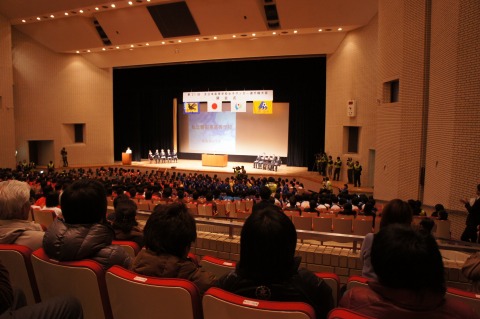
(268, 259)
(162, 157)
(266, 162)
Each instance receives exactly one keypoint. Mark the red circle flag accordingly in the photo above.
(214, 106)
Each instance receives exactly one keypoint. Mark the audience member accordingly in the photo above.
(268, 268)
(266, 199)
(84, 233)
(125, 223)
(426, 225)
(440, 212)
(410, 279)
(395, 211)
(14, 210)
(13, 303)
(169, 233)
(52, 202)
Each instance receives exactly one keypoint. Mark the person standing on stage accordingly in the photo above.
(350, 170)
(357, 172)
(150, 156)
(157, 156)
(330, 166)
(473, 217)
(63, 152)
(323, 164)
(338, 167)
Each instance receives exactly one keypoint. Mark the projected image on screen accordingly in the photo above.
(212, 132)
(234, 133)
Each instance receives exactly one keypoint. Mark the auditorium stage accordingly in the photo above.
(311, 180)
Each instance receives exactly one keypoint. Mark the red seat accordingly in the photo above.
(217, 266)
(343, 313)
(467, 297)
(221, 304)
(333, 281)
(17, 260)
(131, 247)
(83, 279)
(138, 296)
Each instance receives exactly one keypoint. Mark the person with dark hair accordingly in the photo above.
(410, 279)
(440, 212)
(426, 225)
(169, 233)
(268, 268)
(357, 172)
(266, 199)
(125, 223)
(338, 168)
(52, 203)
(473, 218)
(84, 232)
(395, 211)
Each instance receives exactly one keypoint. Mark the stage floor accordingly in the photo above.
(311, 180)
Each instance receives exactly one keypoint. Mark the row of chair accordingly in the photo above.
(119, 293)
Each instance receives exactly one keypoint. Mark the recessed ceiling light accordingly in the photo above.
(274, 32)
(103, 49)
(340, 29)
(117, 47)
(131, 45)
(147, 44)
(88, 51)
(38, 18)
(96, 8)
(52, 16)
(163, 42)
(179, 41)
(197, 39)
(234, 36)
(130, 2)
(78, 51)
(81, 11)
(215, 38)
(24, 21)
(66, 13)
(295, 31)
(320, 30)
(113, 5)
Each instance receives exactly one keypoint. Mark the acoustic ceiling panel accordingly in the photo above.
(174, 19)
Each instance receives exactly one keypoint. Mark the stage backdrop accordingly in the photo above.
(143, 97)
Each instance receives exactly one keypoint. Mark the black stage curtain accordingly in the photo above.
(143, 97)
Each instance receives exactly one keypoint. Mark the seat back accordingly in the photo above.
(362, 225)
(84, 279)
(342, 225)
(322, 223)
(333, 281)
(249, 204)
(137, 296)
(376, 228)
(221, 209)
(344, 313)
(43, 217)
(218, 303)
(442, 229)
(130, 247)
(290, 213)
(192, 208)
(240, 206)
(470, 298)
(143, 205)
(302, 222)
(201, 208)
(355, 280)
(17, 260)
(217, 266)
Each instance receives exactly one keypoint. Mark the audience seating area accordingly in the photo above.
(120, 293)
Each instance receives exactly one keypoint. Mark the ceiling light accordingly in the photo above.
(234, 36)
(103, 49)
(38, 18)
(147, 44)
(295, 31)
(96, 8)
(88, 51)
(215, 38)
(179, 41)
(24, 21)
(274, 32)
(52, 16)
(130, 2)
(320, 30)
(253, 34)
(113, 5)
(131, 45)
(197, 39)
(117, 47)
(163, 42)
(78, 51)
(340, 29)
(66, 13)
(81, 11)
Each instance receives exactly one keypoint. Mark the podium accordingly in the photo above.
(126, 158)
(219, 160)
